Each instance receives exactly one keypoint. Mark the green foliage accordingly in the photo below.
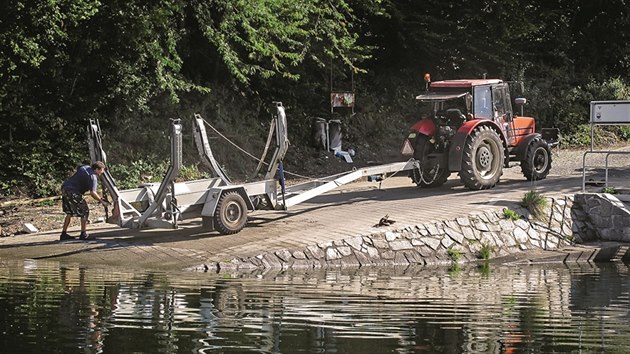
(137, 172)
(141, 171)
(484, 269)
(66, 61)
(133, 64)
(265, 38)
(609, 190)
(566, 105)
(190, 172)
(510, 214)
(455, 270)
(454, 253)
(486, 251)
(534, 202)
(35, 168)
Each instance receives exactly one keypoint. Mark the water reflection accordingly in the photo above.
(48, 307)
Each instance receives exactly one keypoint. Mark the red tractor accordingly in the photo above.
(471, 129)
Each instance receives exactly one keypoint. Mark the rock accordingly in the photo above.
(433, 243)
(284, 255)
(332, 254)
(400, 245)
(355, 242)
(391, 236)
(30, 228)
(299, 255)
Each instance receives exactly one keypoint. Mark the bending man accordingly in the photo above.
(74, 205)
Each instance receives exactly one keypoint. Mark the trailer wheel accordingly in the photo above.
(429, 175)
(482, 163)
(537, 162)
(231, 213)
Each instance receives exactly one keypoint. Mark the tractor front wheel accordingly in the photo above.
(537, 162)
(482, 164)
(231, 214)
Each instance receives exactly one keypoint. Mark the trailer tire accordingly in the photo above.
(537, 162)
(230, 215)
(482, 163)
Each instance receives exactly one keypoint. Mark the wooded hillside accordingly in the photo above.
(133, 64)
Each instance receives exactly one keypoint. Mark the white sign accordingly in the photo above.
(610, 112)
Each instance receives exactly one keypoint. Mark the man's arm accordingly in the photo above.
(93, 191)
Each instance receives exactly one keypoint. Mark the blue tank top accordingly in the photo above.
(82, 181)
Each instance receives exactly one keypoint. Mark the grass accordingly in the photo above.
(510, 214)
(486, 251)
(535, 202)
(455, 254)
(455, 270)
(609, 190)
(484, 268)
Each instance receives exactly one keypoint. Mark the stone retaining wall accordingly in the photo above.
(464, 239)
(602, 217)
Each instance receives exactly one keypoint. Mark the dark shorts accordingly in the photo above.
(73, 204)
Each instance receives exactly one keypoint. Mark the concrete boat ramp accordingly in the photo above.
(349, 213)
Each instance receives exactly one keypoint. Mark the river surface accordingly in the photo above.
(65, 308)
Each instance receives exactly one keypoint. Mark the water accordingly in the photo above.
(49, 307)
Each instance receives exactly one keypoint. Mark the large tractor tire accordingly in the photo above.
(230, 216)
(537, 162)
(428, 175)
(482, 164)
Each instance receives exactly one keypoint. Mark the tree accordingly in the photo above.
(65, 61)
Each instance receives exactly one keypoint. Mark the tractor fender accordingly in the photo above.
(425, 126)
(456, 150)
(521, 149)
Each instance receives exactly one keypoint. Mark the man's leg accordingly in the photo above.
(66, 223)
(85, 212)
(83, 224)
(68, 203)
(64, 234)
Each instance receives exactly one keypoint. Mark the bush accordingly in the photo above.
(34, 168)
(566, 105)
(602, 136)
(189, 173)
(534, 202)
(144, 171)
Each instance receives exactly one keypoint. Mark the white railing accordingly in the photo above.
(606, 165)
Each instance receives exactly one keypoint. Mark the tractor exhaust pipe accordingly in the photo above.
(520, 101)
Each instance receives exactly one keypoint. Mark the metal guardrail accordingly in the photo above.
(608, 153)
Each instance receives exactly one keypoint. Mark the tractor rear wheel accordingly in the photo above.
(428, 175)
(537, 162)
(231, 214)
(482, 164)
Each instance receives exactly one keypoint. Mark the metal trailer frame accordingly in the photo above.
(222, 206)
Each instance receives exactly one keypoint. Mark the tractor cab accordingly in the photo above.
(478, 98)
(471, 129)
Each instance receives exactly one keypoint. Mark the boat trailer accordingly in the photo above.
(222, 205)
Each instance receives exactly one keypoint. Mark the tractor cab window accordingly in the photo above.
(501, 99)
(457, 103)
(482, 102)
